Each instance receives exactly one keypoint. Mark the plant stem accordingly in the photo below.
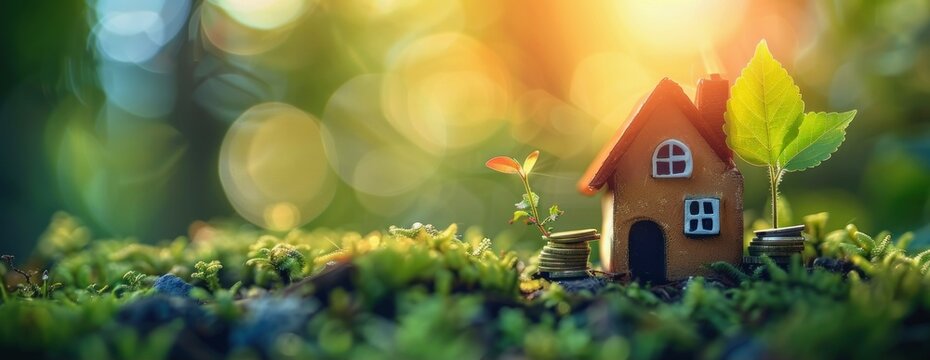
(774, 178)
(529, 195)
(3, 288)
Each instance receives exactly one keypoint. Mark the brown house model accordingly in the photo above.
(674, 196)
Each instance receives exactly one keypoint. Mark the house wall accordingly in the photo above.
(607, 226)
(639, 196)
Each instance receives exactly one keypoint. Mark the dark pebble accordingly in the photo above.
(172, 285)
(269, 317)
(151, 312)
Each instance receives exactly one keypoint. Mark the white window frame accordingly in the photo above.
(672, 158)
(701, 216)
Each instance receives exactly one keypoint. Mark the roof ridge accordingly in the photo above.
(599, 171)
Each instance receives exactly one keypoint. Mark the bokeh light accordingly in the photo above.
(135, 31)
(243, 27)
(447, 92)
(366, 152)
(267, 14)
(608, 85)
(552, 125)
(273, 168)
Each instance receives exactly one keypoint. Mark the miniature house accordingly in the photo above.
(673, 201)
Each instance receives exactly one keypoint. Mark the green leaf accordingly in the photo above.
(530, 162)
(525, 204)
(554, 213)
(818, 137)
(763, 111)
(519, 214)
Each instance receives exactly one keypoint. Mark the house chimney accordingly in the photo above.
(711, 101)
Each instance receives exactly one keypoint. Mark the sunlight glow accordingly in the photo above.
(676, 26)
(608, 85)
(447, 91)
(273, 169)
(265, 14)
(243, 27)
(366, 152)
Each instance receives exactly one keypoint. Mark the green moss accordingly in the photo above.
(425, 293)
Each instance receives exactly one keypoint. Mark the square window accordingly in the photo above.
(678, 167)
(702, 216)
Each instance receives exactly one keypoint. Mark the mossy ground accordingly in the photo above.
(424, 293)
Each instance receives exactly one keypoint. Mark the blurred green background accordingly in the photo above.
(142, 117)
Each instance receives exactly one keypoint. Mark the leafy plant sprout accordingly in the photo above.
(766, 124)
(508, 165)
(208, 272)
(283, 258)
(29, 289)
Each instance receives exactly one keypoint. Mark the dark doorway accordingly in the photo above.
(647, 252)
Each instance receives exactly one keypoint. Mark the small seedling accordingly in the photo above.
(527, 208)
(92, 289)
(766, 124)
(30, 289)
(208, 272)
(286, 261)
(134, 281)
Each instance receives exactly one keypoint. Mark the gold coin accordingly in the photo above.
(580, 245)
(554, 251)
(562, 268)
(573, 234)
(575, 240)
(777, 242)
(546, 257)
(784, 231)
(562, 262)
(768, 248)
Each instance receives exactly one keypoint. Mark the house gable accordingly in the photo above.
(667, 94)
(635, 167)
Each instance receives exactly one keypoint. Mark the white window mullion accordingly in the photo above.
(701, 215)
(671, 158)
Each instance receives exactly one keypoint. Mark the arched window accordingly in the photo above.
(672, 159)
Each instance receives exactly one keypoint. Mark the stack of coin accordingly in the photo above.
(779, 244)
(566, 254)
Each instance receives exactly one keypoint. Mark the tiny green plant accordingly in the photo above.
(528, 207)
(133, 281)
(284, 259)
(30, 289)
(766, 124)
(208, 272)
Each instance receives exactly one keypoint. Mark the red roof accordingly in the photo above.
(667, 92)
